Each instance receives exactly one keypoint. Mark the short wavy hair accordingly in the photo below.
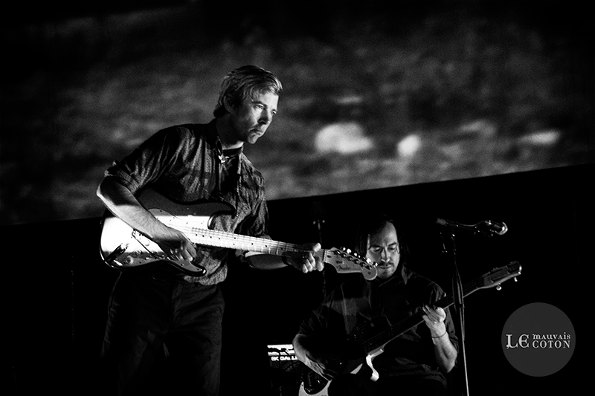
(244, 82)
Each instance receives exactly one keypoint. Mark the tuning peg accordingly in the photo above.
(515, 279)
(371, 263)
(348, 250)
(499, 287)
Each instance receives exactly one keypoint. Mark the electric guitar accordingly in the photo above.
(373, 345)
(123, 247)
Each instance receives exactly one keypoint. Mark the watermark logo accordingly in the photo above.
(538, 339)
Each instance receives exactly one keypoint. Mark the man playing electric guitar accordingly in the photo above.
(154, 311)
(414, 363)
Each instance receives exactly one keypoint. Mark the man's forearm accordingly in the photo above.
(445, 352)
(121, 202)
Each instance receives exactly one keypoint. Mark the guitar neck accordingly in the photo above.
(377, 343)
(229, 240)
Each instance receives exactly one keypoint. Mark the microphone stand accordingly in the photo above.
(458, 296)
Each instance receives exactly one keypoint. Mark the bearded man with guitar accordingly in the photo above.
(163, 191)
(344, 343)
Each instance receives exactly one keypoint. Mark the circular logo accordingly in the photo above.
(538, 339)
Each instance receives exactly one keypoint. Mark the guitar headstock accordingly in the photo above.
(347, 262)
(499, 275)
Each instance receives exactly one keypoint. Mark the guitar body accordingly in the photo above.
(122, 247)
(314, 384)
(314, 388)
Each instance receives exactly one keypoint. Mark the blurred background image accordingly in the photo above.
(376, 94)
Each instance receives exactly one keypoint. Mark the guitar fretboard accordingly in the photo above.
(394, 330)
(223, 239)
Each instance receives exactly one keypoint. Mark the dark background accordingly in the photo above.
(377, 93)
(56, 287)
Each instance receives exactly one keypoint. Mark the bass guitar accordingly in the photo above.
(373, 345)
(123, 247)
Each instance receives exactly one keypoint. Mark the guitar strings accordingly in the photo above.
(231, 240)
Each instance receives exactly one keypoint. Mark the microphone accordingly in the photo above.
(488, 227)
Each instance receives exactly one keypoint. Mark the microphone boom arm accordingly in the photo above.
(483, 227)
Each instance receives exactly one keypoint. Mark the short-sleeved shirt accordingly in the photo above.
(363, 315)
(184, 164)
